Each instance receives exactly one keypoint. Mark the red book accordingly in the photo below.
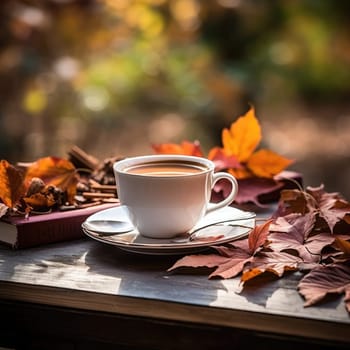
(19, 232)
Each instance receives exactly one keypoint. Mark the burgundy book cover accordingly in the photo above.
(19, 232)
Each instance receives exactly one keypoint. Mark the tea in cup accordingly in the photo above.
(166, 195)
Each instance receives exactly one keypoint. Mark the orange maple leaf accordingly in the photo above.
(11, 184)
(186, 148)
(55, 171)
(238, 155)
(266, 163)
(240, 141)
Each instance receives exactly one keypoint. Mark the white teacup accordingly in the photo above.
(166, 195)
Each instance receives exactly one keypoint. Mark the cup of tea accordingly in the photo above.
(166, 195)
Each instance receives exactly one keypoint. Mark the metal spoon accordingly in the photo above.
(108, 227)
(191, 235)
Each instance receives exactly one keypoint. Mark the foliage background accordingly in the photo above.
(115, 76)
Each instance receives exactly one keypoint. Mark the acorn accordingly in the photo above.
(36, 185)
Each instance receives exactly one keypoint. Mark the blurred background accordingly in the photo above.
(115, 76)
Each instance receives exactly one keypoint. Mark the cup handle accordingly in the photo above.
(229, 199)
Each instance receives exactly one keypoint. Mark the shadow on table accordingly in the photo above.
(146, 276)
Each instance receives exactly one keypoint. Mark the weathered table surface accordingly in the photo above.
(90, 276)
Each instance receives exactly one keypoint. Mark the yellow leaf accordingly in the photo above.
(266, 163)
(243, 136)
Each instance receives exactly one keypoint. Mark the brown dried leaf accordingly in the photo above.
(324, 280)
(343, 246)
(292, 201)
(199, 260)
(332, 207)
(40, 200)
(274, 262)
(232, 259)
(257, 237)
(292, 232)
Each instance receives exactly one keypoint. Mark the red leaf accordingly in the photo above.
(257, 237)
(250, 189)
(223, 161)
(323, 280)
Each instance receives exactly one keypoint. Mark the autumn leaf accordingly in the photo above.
(243, 136)
(292, 201)
(331, 206)
(293, 233)
(323, 280)
(292, 240)
(231, 259)
(273, 262)
(55, 171)
(186, 148)
(222, 161)
(343, 246)
(240, 142)
(40, 200)
(227, 265)
(256, 190)
(238, 154)
(11, 184)
(258, 236)
(265, 163)
(251, 189)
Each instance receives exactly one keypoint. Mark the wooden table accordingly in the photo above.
(87, 295)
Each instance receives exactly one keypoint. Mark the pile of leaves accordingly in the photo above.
(309, 232)
(53, 183)
(258, 171)
(43, 184)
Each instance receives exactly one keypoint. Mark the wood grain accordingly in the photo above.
(88, 275)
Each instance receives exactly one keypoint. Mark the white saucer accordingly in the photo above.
(218, 227)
